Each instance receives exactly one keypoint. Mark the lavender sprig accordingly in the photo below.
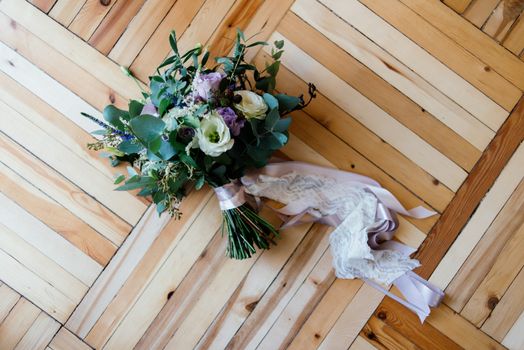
(122, 134)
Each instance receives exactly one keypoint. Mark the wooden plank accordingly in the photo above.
(382, 336)
(265, 21)
(48, 242)
(41, 265)
(497, 281)
(64, 11)
(296, 312)
(387, 67)
(479, 10)
(64, 192)
(479, 262)
(64, 130)
(354, 134)
(353, 319)
(238, 17)
(228, 275)
(514, 42)
(507, 311)
(140, 29)
(40, 333)
(89, 17)
(449, 52)
(116, 272)
(115, 23)
(423, 336)
(43, 5)
(176, 303)
(482, 225)
(69, 164)
(70, 46)
(374, 118)
(466, 35)
(459, 330)
(58, 218)
(515, 337)
(148, 56)
(458, 5)
(8, 299)
(325, 314)
(480, 179)
(360, 343)
(496, 26)
(93, 91)
(65, 340)
(17, 323)
(402, 40)
(119, 315)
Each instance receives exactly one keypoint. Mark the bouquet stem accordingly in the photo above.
(246, 230)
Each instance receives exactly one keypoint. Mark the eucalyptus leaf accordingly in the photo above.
(112, 115)
(147, 127)
(271, 119)
(271, 101)
(288, 103)
(135, 108)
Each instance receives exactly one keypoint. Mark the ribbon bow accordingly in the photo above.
(419, 294)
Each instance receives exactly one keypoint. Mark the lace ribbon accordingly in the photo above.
(383, 261)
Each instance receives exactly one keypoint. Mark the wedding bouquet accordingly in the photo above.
(200, 124)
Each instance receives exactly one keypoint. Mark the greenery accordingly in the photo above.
(162, 134)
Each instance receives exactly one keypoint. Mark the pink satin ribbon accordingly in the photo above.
(419, 294)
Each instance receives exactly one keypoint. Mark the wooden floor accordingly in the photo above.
(416, 94)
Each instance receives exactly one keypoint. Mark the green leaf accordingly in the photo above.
(146, 127)
(166, 150)
(282, 125)
(188, 160)
(154, 145)
(282, 138)
(119, 179)
(263, 43)
(112, 115)
(142, 182)
(273, 68)
(172, 42)
(240, 34)
(135, 108)
(277, 55)
(99, 132)
(130, 147)
(271, 119)
(162, 107)
(271, 101)
(279, 44)
(199, 183)
(287, 103)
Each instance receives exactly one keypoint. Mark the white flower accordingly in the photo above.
(213, 136)
(252, 105)
(171, 118)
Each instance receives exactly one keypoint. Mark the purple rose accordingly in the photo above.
(233, 122)
(205, 85)
(149, 108)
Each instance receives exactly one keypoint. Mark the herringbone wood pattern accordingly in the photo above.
(411, 93)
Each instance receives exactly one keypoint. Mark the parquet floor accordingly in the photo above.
(423, 97)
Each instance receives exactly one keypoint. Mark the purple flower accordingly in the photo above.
(186, 133)
(233, 122)
(205, 85)
(149, 108)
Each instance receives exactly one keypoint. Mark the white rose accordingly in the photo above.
(213, 136)
(252, 105)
